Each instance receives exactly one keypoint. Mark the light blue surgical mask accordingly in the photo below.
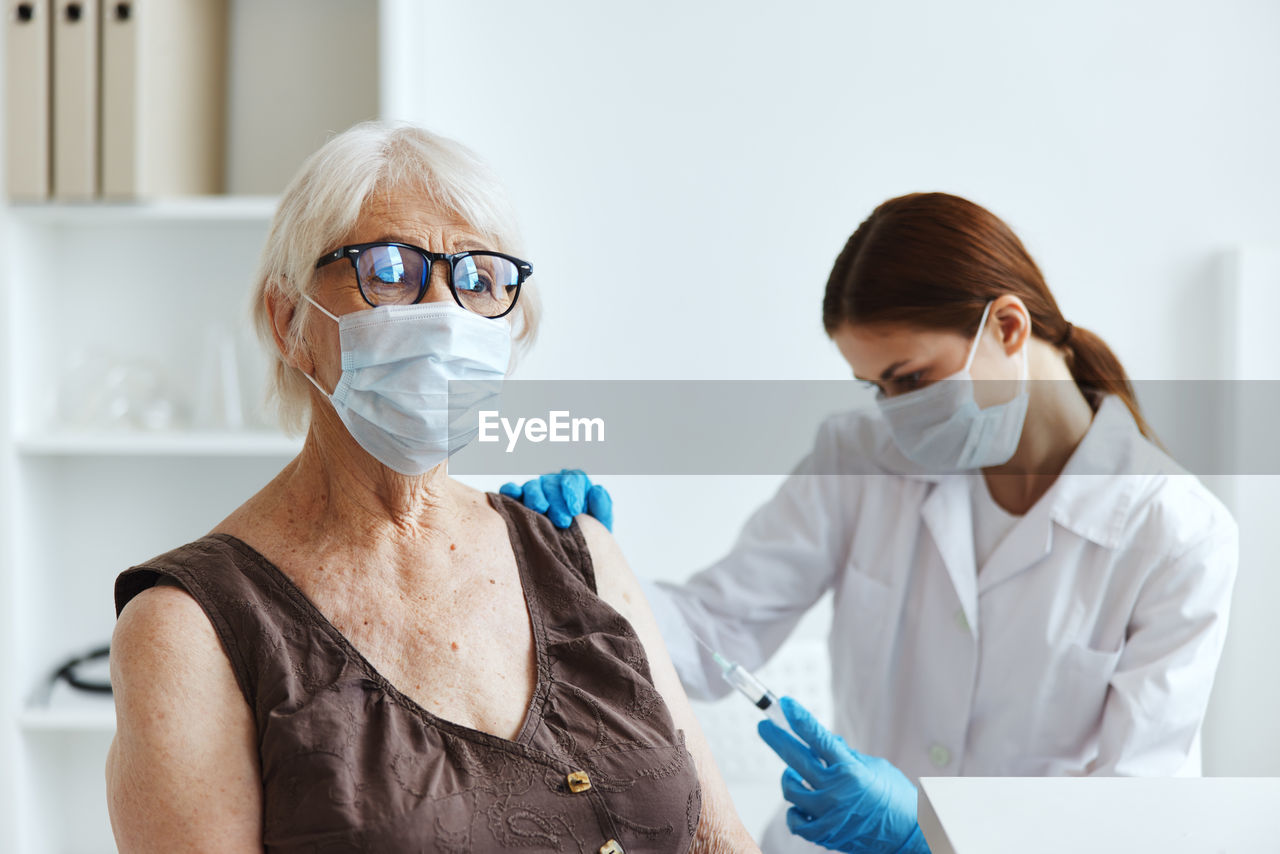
(941, 427)
(397, 363)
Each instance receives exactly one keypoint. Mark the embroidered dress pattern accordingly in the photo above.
(351, 764)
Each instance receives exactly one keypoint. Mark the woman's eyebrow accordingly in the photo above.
(888, 372)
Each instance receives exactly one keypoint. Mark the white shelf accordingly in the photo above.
(142, 282)
(194, 444)
(231, 209)
(74, 719)
(61, 708)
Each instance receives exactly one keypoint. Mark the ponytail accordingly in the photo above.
(1096, 370)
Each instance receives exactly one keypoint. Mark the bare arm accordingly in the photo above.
(719, 828)
(182, 773)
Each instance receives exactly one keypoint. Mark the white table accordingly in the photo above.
(1100, 815)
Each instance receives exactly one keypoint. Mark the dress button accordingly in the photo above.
(611, 847)
(939, 755)
(579, 782)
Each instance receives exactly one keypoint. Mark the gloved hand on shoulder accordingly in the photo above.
(563, 496)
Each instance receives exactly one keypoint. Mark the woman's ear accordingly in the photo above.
(281, 310)
(1014, 322)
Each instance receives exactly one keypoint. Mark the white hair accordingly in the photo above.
(323, 204)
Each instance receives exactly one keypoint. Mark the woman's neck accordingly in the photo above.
(335, 491)
(1058, 417)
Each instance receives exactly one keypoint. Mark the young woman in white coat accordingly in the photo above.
(1024, 583)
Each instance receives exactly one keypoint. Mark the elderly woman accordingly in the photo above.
(368, 655)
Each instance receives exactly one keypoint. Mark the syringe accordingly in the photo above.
(749, 686)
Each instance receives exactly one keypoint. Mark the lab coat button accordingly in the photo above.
(611, 847)
(939, 755)
(962, 621)
(579, 782)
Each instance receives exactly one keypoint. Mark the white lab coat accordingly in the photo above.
(1086, 645)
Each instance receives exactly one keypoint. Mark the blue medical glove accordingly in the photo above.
(563, 496)
(840, 798)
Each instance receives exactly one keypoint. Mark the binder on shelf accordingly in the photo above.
(27, 38)
(75, 99)
(163, 101)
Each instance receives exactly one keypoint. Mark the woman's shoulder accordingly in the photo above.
(1170, 507)
(197, 567)
(1126, 489)
(160, 620)
(532, 533)
(164, 641)
(1177, 510)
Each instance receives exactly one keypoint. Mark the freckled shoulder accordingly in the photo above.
(614, 580)
(602, 544)
(163, 626)
(164, 650)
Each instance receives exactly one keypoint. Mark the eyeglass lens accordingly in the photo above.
(391, 275)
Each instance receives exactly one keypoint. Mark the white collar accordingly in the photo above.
(1113, 465)
(1090, 497)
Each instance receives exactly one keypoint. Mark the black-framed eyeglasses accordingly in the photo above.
(487, 283)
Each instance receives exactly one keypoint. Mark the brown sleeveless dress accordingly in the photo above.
(351, 764)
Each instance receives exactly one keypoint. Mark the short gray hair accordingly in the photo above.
(322, 205)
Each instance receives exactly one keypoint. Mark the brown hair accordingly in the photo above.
(936, 260)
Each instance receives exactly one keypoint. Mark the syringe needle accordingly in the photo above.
(705, 645)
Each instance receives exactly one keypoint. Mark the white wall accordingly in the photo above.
(687, 172)
(671, 155)
(1240, 733)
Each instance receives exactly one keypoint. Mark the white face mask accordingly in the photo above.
(941, 428)
(397, 361)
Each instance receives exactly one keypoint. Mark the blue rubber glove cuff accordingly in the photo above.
(840, 798)
(915, 843)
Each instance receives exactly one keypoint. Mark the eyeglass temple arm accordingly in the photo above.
(335, 255)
